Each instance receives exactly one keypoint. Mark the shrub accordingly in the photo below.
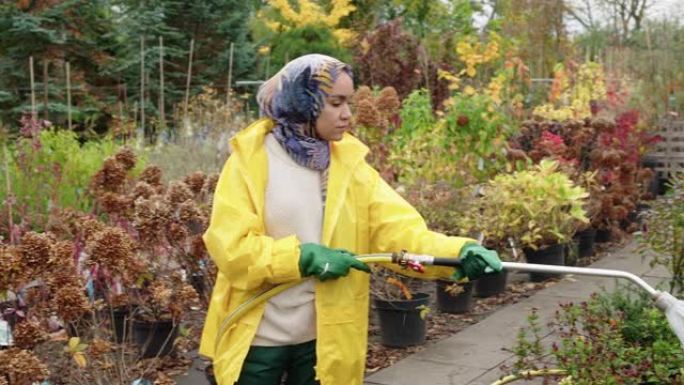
(45, 169)
(614, 338)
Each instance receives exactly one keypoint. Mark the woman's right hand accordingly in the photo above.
(326, 263)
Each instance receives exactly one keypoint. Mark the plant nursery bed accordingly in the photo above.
(442, 325)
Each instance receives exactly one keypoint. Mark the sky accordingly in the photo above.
(659, 9)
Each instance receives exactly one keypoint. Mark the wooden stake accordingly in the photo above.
(125, 96)
(141, 130)
(10, 221)
(45, 89)
(187, 82)
(33, 91)
(135, 111)
(229, 84)
(162, 114)
(122, 121)
(68, 89)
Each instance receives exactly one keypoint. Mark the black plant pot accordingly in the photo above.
(455, 303)
(663, 184)
(8, 312)
(121, 324)
(602, 235)
(642, 208)
(197, 282)
(491, 284)
(586, 240)
(400, 321)
(154, 337)
(550, 255)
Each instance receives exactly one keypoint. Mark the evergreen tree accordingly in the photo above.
(213, 26)
(53, 33)
(101, 40)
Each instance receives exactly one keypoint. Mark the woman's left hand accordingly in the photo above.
(477, 261)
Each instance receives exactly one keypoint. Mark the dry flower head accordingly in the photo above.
(22, 367)
(126, 157)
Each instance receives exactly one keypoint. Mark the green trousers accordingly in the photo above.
(276, 365)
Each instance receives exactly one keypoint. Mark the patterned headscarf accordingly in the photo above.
(293, 98)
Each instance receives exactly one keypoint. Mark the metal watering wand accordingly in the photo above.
(666, 302)
(671, 306)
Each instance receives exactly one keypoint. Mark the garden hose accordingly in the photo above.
(267, 294)
(529, 374)
(671, 306)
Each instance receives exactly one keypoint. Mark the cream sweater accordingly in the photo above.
(293, 206)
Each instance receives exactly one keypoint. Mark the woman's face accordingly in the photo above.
(335, 117)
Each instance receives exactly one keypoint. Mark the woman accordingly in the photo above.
(294, 196)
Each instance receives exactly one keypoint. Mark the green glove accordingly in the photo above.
(327, 263)
(476, 261)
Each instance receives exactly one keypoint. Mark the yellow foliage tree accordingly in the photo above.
(571, 92)
(307, 13)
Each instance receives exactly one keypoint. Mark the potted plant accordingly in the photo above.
(148, 251)
(539, 208)
(477, 221)
(401, 310)
(160, 304)
(585, 236)
(493, 284)
(455, 297)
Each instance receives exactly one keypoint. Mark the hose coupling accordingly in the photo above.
(407, 261)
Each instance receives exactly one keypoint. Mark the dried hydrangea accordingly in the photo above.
(12, 269)
(195, 181)
(210, 184)
(126, 157)
(119, 300)
(28, 334)
(64, 223)
(178, 193)
(388, 101)
(63, 277)
(367, 115)
(62, 267)
(177, 233)
(142, 190)
(197, 247)
(113, 203)
(110, 178)
(71, 303)
(152, 175)
(192, 216)
(186, 295)
(111, 248)
(35, 249)
(151, 218)
(88, 227)
(160, 293)
(21, 367)
(183, 297)
(62, 254)
(363, 93)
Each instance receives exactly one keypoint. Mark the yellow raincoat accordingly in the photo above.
(363, 214)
